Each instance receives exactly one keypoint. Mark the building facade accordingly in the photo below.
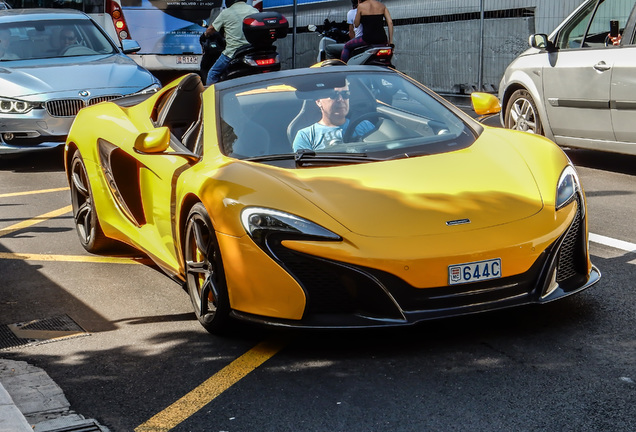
(449, 45)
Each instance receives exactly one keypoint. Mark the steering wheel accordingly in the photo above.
(348, 134)
(77, 49)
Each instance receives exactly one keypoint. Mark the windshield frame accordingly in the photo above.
(297, 85)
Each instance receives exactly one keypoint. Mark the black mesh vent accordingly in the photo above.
(572, 259)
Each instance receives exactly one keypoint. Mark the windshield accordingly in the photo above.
(52, 38)
(337, 114)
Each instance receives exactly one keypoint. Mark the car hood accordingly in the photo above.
(98, 74)
(485, 185)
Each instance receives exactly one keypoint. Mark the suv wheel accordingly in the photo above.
(521, 113)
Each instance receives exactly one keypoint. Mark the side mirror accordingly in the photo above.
(540, 41)
(129, 46)
(155, 141)
(312, 28)
(485, 103)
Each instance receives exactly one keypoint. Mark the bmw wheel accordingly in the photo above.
(522, 114)
(205, 277)
(87, 224)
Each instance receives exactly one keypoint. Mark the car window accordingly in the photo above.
(591, 27)
(385, 116)
(55, 38)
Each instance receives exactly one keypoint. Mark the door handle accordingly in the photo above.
(602, 66)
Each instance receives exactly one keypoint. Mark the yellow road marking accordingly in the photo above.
(188, 405)
(35, 220)
(74, 258)
(12, 194)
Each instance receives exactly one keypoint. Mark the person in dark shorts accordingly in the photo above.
(371, 14)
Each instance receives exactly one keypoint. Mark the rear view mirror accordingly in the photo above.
(155, 141)
(540, 41)
(129, 46)
(485, 103)
(312, 28)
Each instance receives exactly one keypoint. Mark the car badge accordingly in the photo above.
(84, 93)
(458, 222)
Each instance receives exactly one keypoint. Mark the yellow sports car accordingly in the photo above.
(329, 197)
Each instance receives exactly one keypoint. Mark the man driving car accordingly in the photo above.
(328, 131)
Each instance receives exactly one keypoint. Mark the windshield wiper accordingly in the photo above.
(309, 157)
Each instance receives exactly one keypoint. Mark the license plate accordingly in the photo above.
(474, 271)
(187, 60)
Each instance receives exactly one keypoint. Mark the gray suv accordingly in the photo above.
(578, 85)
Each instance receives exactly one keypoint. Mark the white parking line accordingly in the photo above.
(608, 241)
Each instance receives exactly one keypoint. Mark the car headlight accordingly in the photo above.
(261, 223)
(154, 88)
(567, 187)
(15, 106)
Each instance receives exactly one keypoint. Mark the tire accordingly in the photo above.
(85, 216)
(522, 113)
(204, 272)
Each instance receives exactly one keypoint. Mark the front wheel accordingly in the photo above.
(522, 113)
(87, 223)
(205, 277)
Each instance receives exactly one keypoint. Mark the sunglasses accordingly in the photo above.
(344, 94)
(70, 38)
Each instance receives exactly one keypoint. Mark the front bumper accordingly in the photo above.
(341, 295)
(33, 131)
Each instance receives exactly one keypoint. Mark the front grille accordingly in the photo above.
(571, 263)
(99, 99)
(70, 107)
(64, 108)
(333, 287)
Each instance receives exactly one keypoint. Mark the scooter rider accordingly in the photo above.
(230, 20)
(333, 51)
(371, 14)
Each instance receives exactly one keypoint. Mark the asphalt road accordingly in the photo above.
(567, 366)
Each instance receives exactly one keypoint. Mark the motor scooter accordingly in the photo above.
(331, 32)
(334, 35)
(260, 56)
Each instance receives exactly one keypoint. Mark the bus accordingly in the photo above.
(167, 31)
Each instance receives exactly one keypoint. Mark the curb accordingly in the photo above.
(31, 401)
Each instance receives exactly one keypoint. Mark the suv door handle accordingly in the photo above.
(602, 66)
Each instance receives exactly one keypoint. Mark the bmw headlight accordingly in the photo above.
(15, 106)
(154, 88)
(260, 223)
(567, 187)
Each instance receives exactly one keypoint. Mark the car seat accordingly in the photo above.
(309, 114)
(181, 110)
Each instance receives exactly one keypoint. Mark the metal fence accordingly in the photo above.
(452, 46)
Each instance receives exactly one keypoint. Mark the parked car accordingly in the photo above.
(577, 85)
(53, 63)
(414, 211)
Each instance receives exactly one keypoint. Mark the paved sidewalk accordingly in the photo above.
(31, 401)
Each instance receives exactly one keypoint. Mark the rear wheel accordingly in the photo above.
(522, 114)
(87, 224)
(205, 277)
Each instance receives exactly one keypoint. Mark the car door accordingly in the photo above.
(577, 82)
(623, 87)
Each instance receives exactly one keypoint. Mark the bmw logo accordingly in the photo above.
(84, 93)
